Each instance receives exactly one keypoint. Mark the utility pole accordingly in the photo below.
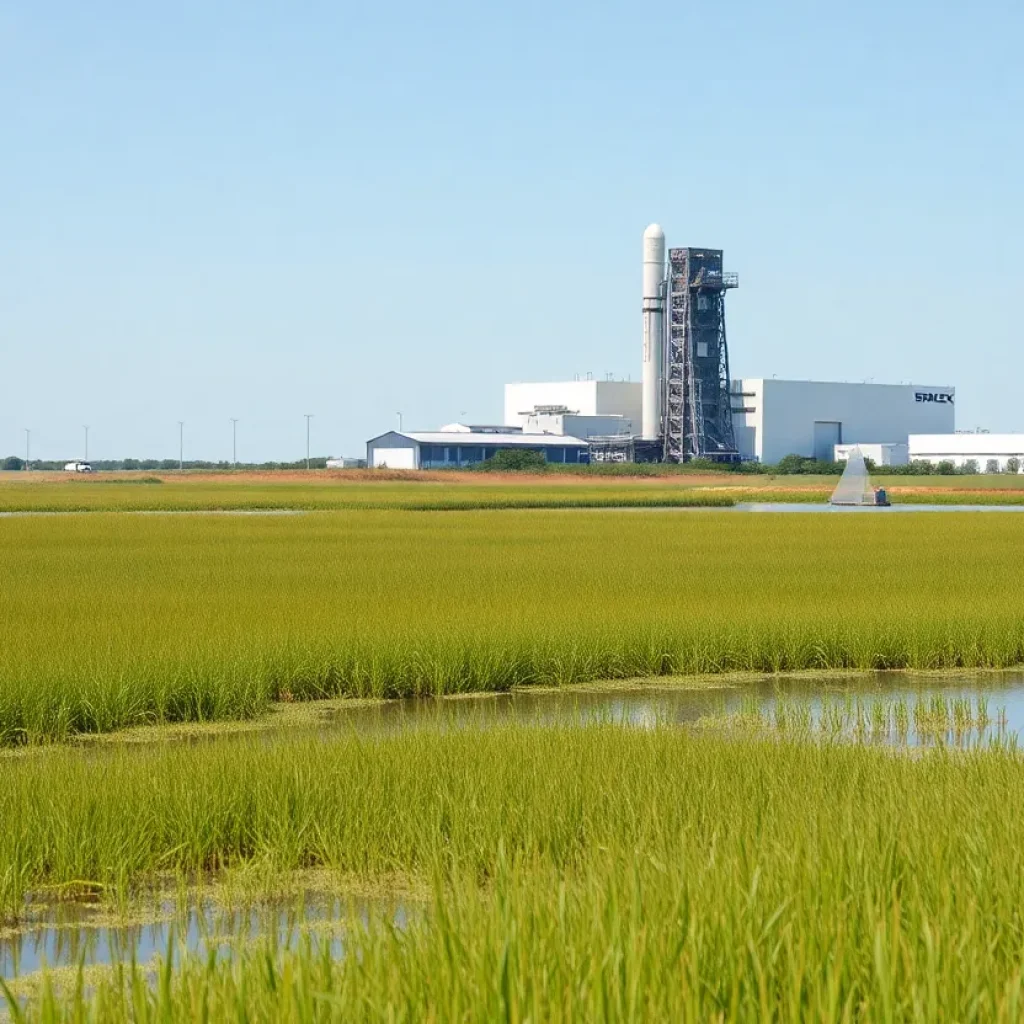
(181, 444)
(86, 429)
(28, 447)
(308, 416)
(234, 442)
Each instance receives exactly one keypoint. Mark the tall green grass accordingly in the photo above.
(468, 491)
(432, 491)
(578, 873)
(110, 621)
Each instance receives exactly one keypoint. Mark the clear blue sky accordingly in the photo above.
(265, 209)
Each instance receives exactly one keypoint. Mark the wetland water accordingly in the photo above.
(966, 709)
(73, 934)
(653, 703)
(795, 506)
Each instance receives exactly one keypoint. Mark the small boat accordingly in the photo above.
(854, 487)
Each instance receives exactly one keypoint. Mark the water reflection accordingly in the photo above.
(74, 934)
(843, 510)
(652, 703)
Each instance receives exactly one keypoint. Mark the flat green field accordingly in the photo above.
(172, 492)
(56, 492)
(111, 620)
(571, 873)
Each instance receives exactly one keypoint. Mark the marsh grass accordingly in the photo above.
(181, 494)
(576, 872)
(111, 621)
(464, 491)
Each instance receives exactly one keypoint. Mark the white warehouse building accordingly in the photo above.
(988, 452)
(774, 418)
(771, 418)
(458, 446)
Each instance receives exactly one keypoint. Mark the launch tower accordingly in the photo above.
(697, 415)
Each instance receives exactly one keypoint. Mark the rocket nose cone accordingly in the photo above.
(654, 231)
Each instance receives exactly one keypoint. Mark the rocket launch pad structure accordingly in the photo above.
(654, 332)
(697, 410)
(686, 404)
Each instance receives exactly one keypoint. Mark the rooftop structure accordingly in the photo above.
(580, 397)
(475, 428)
(575, 425)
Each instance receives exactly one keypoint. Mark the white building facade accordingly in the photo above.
(774, 418)
(453, 449)
(879, 454)
(990, 453)
(575, 397)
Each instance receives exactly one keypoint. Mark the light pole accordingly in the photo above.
(308, 416)
(399, 422)
(181, 444)
(86, 429)
(234, 442)
(28, 447)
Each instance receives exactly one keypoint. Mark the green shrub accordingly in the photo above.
(514, 460)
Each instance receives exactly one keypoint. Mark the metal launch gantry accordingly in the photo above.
(697, 418)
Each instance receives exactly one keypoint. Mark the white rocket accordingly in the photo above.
(654, 330)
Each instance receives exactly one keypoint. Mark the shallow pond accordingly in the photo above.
(995, 700)
(71, 934)
(795, 506)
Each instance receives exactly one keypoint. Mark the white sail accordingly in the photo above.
(854, 486)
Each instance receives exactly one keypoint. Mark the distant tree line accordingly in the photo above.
(789, 465)
(799, 464)
(531, 461)
(13, 462)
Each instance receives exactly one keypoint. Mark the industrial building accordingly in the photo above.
(989, 453)
(879, 454)
(774, 418)
(686, 404)
(464, 447)
(770, 418)
(618, 398)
